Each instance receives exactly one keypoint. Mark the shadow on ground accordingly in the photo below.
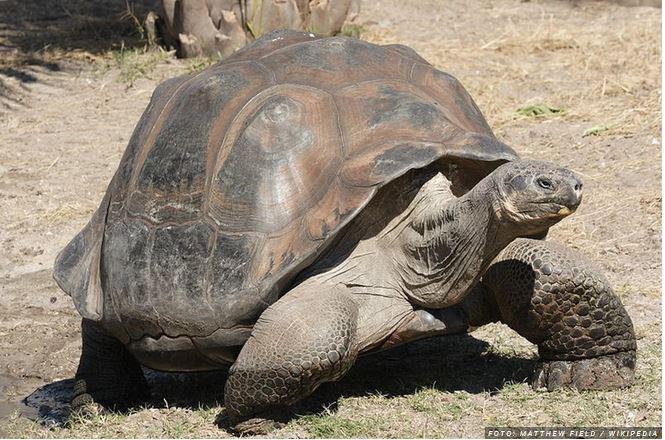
(36, 34)
(32, 27)
(448, 364)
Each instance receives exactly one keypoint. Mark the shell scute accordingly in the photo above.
(277, 160)
(452, 96)
(178, 265)
(407, 52)
(170, 175)
(230, 265)
(270, 42)
(126, 263)
(335, 62)
(335, 208)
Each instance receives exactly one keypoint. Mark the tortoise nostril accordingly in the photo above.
(578, 187)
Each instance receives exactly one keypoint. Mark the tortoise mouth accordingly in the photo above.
(565, 211)
(558, 210)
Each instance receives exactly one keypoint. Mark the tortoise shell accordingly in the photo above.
(236, 178)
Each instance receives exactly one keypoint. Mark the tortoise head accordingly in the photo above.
(534, 195)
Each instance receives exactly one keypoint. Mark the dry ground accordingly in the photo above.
(70, 94)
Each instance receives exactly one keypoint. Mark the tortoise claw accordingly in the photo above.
(258, 423)
(257, 426)
(609, 372)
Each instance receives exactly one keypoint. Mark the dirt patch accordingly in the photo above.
(69, 102)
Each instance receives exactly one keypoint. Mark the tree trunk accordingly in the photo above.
(218, 28)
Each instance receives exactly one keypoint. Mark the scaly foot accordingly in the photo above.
(609, 372)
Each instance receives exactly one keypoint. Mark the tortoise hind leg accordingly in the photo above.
(560, 301)
(107, 373)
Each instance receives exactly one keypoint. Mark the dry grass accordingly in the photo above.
(65, 213)
(598, 64)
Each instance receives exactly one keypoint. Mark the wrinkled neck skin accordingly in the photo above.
(431, 252)
(446, 243)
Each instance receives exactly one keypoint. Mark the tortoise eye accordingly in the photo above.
(545, 183)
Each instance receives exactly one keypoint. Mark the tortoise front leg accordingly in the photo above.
(557, 299)
(306, 338)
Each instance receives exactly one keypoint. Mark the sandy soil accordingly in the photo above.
(67, 109)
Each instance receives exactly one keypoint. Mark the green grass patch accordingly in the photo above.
(536, 110)
(424, 401)
(353, 30)
(448, 406)
(195, 65)
(334, 426)
(137, 63)
(596, 130)
(648, 372)
(517, 392)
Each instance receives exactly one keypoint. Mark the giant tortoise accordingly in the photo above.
(310, 199)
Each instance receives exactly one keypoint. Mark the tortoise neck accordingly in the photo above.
(448, 245)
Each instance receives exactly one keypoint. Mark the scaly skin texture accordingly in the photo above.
(557, 299)
(301, 341)
(107, 374)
